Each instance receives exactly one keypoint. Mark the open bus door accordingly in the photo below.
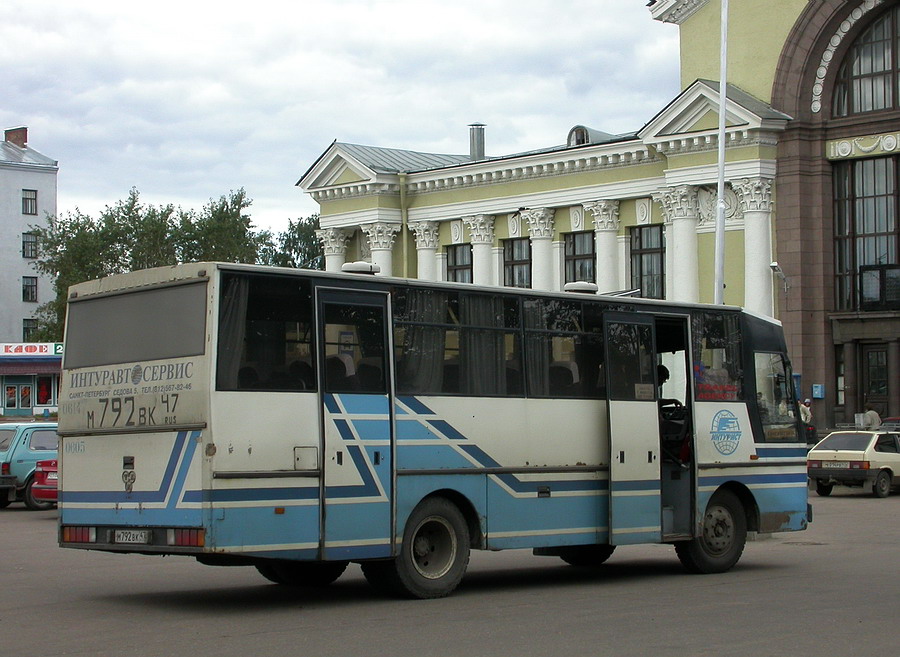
(635, 509)
(357, 425)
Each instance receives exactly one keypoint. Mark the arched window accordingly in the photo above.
(866, 81)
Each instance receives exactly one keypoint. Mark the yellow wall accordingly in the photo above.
(752, 52)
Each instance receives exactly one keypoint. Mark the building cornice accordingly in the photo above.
(675, 11)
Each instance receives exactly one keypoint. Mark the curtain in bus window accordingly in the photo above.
(420, 367)
(482, 353)
(232, 332)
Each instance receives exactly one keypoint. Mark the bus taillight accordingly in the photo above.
(187, 537)
(79, 534)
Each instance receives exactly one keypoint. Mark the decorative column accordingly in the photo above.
(606, 230)
(755, 198)
(427, 238)
(540, 229)
(334, 242)
(381, 241)
(681, 209)
(481, 235)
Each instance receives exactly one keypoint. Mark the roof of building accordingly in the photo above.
(12, 154)
(395, 160)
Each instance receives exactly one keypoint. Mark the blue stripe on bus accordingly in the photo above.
(444, 427)
(773, 452)
(367, 489)
(331, 404)
(750, 479)
(412, 429)
(343, 428)
(415, 406)
(186, 461)
(356, 404)
(638, 485)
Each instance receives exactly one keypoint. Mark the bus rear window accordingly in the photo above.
(168, 322)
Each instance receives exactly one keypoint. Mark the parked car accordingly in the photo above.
(856, 458)
(22, 445)
(46, 478)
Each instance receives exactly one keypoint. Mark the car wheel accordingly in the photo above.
(823, 489)
(433, 556)
(882, 485)
(722, 537)
(31, 502)
(586, 556)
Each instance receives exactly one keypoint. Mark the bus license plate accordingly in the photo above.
(835, 464)
(140, 536)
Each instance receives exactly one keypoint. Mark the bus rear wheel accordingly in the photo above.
(302, 573)
(433, 556)
(722, 537)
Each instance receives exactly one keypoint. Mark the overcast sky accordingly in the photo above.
(188, 100)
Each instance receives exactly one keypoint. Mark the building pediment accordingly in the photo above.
(336, 167)
(693, 118)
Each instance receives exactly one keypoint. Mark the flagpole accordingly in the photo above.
(719, 292)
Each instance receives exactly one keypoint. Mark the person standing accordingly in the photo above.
(806, 412)
(871, 419)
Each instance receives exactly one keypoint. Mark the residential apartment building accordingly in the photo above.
(811, 220)
(28, 371)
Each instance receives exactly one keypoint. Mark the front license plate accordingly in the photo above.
(835, 464)
(132, 536)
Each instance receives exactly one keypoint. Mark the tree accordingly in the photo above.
(128, 235)
(298, 246)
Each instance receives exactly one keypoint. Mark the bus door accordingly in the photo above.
(357, 424)
(634, 469)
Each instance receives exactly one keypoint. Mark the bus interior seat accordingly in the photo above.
(301, 375)
(451, 377)
(562, 378)
(369, 376)
(336, 377)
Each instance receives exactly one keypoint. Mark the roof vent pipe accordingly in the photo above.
(476, 141)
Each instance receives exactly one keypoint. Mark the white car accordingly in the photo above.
(856, 458)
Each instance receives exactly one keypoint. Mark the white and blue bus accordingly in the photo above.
(296, 421)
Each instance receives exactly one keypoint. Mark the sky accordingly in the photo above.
(186, 101)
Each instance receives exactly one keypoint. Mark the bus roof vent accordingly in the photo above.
(361, 267)
(581, 286)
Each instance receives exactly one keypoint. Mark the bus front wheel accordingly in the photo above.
(433, 556)
(722, 537)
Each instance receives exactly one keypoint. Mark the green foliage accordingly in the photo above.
(128, 236)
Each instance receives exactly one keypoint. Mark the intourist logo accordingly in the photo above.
(725, 432)
(131, 375)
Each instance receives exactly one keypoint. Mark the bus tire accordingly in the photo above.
(823, 489)
(586, 556)
(433, 556)
(882, 485)
(302, 573)
(722, 537)
(32, 503)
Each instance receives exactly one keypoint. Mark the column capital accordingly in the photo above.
(540, 222)
(334, 240)
(381, 235)
(605, 213)
(754, 194)
(681, 202)
(427, 234)
(481, 228)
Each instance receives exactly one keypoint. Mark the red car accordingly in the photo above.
(46, 475)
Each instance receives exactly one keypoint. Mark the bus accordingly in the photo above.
(297, 421)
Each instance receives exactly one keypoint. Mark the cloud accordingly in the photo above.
(187, 103)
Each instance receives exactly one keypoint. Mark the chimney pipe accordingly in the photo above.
(17, 136)
(476, 141)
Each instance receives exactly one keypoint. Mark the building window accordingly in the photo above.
(648, 258)
(29, 330)
(866, 79)
(865, 233)
(459, 263)
(580, 257)
(29, 201)
(517, 262)
(29, 245)
(29, 288)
